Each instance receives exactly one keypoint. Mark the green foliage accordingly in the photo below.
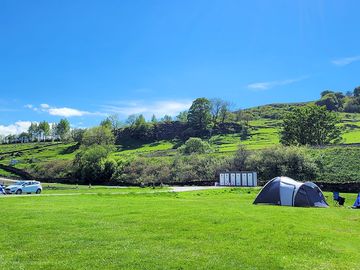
(337, 164)
(44, 127)
(101, 135)
(331, 101)
(282, 161)
(357, 92)
(310, 125)
(195, 145)
(182, 116)
(106, 123)
(91, 164)
(199, 116)
(77, 135)
(63, 129)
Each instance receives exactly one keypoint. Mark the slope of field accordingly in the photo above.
(263, 133)
(218, 229)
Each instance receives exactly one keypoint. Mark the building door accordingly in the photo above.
(232, 179)
(238, 179)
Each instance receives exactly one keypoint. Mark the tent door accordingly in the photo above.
(287, 194)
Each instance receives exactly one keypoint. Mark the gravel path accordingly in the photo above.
(172, 189)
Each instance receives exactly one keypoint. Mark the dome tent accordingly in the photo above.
(288, 192)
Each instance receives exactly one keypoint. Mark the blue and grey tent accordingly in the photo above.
(288, 192)
(357, 202)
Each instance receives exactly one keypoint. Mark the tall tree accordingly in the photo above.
(310, 125)
(63, 129)
(357, 92)
(154, 119)
(182, 116)
(33, 131)
(199, 116)
(115, 121)
(101, 135)
(44, 129)
(166, 119)
(131, 120)
(106, 123)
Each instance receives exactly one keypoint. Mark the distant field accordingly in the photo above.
(217, 229)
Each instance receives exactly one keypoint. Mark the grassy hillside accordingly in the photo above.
(218, 229)
(263, 133)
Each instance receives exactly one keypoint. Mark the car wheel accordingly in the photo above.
(19, 192)
(38, 191)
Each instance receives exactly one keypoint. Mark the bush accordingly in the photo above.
(195, 145)
(52, 169)
(98, 135)
(196, 168)
(142, 171)
(91, 164)
(283, 161)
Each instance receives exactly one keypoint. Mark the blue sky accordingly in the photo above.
(86, 59)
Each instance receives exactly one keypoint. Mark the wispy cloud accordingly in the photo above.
(272, 84)
(61, 111)
(15, 128)
(159, 108)
(345, 60)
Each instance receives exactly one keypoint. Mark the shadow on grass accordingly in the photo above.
(70, 149)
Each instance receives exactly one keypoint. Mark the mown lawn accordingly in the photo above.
(217, 229)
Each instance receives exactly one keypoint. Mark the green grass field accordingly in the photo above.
(215, 229)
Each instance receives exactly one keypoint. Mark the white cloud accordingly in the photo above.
(272, 84)
(66, 112)
(16, 128)
(62, 111)
(345, 60)
(45, 106)
(159, 108)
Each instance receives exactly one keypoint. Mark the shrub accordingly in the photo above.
(195, 145)
(52, 169)
(91, 164)
(283, 161)
(98, 135)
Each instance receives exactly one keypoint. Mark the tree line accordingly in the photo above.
(42, 131)
(340, 102)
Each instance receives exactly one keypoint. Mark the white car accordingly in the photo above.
(21, 187)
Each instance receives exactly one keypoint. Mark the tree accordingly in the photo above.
(33, 130)
(91, 163)
(224, 112)
(219, 110)
(332, 102)
(44, 129)
(310, 125)
(244, 116)
(290, 161)
(115, 121)
(63, 129)
(140, 122)
(195, 145)
(106, 123)
(101, 135)
(154, 119)
(131, 120)
(166, 119)
(77, 135)
(182, 116)
(199, 116)
(324, 93)
(357, 92)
